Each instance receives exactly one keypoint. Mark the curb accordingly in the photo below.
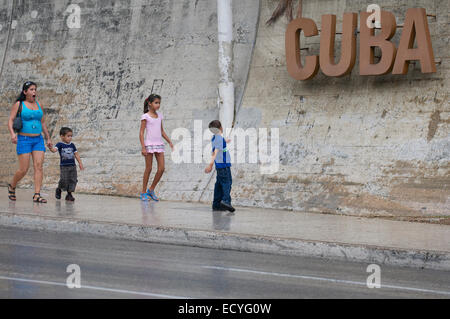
(232, 241)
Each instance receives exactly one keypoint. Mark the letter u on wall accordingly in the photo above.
(348, 45)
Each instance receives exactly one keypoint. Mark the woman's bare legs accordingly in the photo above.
(38, 163)
(148, 170)
(24, 165)
(160, 172)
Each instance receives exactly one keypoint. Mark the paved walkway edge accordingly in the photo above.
(233, 241)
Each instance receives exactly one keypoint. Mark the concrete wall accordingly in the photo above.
(95, 79)
(353, 145)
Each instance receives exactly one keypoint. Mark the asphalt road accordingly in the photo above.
(34, 265)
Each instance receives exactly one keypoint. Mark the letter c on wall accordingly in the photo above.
(293, 60)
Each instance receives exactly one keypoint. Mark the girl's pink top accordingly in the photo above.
(153, 129)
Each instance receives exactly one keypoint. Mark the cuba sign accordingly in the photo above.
(393, 59)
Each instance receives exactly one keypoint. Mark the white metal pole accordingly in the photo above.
(226, 84)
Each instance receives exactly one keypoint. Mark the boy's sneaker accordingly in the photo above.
(228, 207)
(58, 193)
(218, 209)
(70, 198)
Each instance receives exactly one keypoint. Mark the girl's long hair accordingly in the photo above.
(149, 100)
(22, 97)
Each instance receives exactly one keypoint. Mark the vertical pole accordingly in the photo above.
(300, 9)
(226, 84)
(9, 25)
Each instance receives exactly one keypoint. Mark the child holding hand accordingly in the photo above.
(68, 153)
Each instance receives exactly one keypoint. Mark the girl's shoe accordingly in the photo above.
(145, 197)
(152, 195)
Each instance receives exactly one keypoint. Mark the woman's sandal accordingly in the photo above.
(38, 199)
(12, 194)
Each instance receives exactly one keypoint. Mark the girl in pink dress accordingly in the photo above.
(151, 137)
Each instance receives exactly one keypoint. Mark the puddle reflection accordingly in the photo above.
(68, 209)
(222, 220)
(149, 213)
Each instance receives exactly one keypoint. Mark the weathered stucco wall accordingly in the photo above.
(95, 79)
(352, 145)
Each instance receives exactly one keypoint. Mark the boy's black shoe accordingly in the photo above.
(58, 193)
(70, 198)
(218, 209)
(228, 207)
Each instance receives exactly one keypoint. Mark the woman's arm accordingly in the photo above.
(53, 149)
(141, 136)
(12, 116)
(45, 131)
(164, 135)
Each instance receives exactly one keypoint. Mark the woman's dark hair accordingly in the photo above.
(149, 100)
(25, 87)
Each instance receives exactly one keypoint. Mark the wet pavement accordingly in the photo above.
(247, 221)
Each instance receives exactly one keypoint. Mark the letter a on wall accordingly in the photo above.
(415, 28)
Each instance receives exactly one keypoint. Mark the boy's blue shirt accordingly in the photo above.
(66, 153)
(223, 158)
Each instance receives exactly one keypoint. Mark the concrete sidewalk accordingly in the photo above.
(251, 229)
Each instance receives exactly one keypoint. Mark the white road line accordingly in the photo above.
(357, 283)
(121, 291)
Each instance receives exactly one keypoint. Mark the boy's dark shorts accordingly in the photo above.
(68, 179)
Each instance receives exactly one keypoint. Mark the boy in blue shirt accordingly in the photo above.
(222, 159)
(68, 153)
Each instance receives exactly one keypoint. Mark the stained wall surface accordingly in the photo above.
(355, 145)
(94, 79)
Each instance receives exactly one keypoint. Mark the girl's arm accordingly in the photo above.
(77, 156)
(45, 130)
(163, 133)
(12, 116)
(141, 136)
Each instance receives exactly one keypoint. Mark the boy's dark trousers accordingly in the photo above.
(68, 179)
(222, 189)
